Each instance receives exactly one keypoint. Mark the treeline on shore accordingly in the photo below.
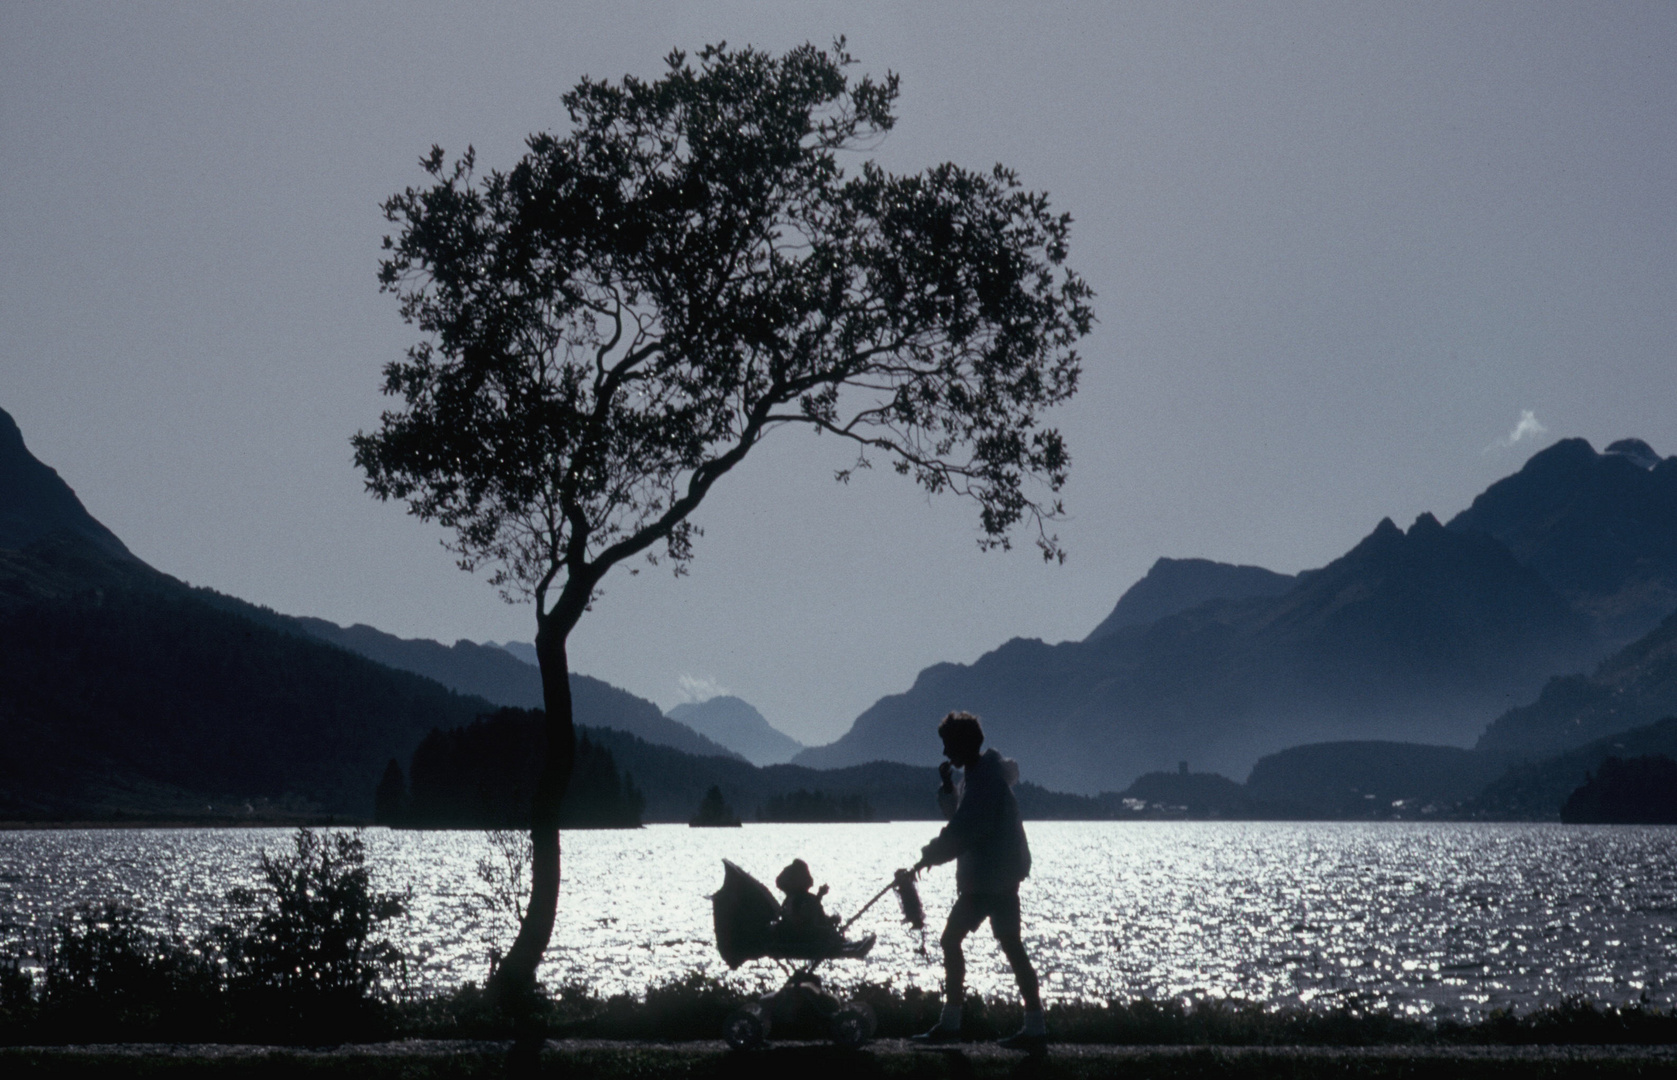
(481, 775)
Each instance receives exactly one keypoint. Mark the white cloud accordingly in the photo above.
(699, 689)
(1528, 427)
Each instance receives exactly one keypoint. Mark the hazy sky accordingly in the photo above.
(1341, 250)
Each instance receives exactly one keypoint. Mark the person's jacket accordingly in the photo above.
(984, 834)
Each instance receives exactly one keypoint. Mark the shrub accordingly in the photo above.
(307, 956)
(106, 976)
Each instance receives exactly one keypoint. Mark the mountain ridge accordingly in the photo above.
(736, 724)
(1416, 635)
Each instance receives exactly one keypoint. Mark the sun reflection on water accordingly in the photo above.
(1416, 918)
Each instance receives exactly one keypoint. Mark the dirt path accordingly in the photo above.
(420, 1060)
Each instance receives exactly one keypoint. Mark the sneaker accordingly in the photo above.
(1024, 1040)
(938, 1036)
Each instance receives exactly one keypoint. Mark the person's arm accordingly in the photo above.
(946, 790)
(972, 816)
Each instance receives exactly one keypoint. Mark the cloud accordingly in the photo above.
(698, 689)
(1528, 428)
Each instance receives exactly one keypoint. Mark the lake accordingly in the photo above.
(1417, 918)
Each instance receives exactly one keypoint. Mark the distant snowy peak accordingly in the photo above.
(737, 725)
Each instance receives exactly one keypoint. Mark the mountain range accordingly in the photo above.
(1433, 670)
(125, 692)
(1421, 635)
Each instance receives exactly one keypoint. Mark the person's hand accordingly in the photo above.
(946, 773)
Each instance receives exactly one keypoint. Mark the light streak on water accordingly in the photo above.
(1416, 918)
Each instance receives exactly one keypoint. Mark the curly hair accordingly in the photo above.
(961, 729)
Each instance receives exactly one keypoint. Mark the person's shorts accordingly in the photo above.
(972, 908)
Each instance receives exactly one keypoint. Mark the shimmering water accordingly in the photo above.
(1418, 918)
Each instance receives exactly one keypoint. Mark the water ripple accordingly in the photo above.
(1421, 919)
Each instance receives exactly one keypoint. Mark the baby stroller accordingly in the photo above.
(744, 910)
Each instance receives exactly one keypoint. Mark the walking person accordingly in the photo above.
(986, 839)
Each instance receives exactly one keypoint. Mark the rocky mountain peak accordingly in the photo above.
(35, 503)
(1635, 451)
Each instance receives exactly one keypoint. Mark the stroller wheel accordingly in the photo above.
(853, 1025)
(746, 1028)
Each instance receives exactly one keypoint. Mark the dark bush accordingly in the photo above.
(306, 958)
(107, 977)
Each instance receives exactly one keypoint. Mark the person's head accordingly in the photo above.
(795, 878)
(962, 737)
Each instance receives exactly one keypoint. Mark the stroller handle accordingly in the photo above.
(876, 898)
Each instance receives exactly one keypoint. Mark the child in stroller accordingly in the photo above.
(803, 929)
(751, 925)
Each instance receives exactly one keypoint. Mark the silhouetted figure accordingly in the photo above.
(803, 923)
(986, 839)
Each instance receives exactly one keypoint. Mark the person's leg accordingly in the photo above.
(964, 918)
(1005, 924)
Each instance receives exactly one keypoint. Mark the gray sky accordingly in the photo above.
(1340, 249)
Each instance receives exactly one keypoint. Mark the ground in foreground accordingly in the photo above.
(579, 1058)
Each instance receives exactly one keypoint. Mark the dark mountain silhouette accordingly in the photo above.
(521, 649)
(1629, 689)
(736, 724)
(1535, 791)
(497, 675)
(1600, 528)
(482, 670)
(36, 504)
(1370, 779)
(1175, 585)
(1416, 636)
(123, 692)
(126, 692)
(1626, 791)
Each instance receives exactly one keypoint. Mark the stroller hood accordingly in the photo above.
(743, 908)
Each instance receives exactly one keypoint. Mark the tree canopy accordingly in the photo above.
(613, 323)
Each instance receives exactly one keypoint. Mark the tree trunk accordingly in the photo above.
(515, 979)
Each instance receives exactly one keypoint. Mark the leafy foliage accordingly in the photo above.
(103, 963)
(613, 323)
(308, 946)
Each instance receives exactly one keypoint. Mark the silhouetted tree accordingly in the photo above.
(714, 812)
(811, 806)
(615, 323)
(390, 798)
(484, 776)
